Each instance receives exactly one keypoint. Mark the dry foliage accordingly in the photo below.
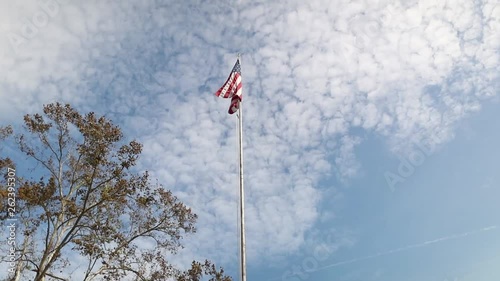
(88, 200)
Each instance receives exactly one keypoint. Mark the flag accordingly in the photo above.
(232, 88)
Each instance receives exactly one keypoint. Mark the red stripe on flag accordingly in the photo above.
(231, 90)
(235, 104)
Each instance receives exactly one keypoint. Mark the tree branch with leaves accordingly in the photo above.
(89, 201)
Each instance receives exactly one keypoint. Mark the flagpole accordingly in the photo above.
(242, 194)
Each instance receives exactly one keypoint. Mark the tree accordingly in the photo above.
(87, 199)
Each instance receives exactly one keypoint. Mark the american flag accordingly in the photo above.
(232, 88)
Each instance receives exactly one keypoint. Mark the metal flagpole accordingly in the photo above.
(242, 193)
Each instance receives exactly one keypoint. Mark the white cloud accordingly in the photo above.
(311, 71)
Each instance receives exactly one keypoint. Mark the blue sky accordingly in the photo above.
(337, 94)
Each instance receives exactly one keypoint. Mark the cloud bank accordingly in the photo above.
(314, 73)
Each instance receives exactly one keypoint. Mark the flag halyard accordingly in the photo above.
(232, 88)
